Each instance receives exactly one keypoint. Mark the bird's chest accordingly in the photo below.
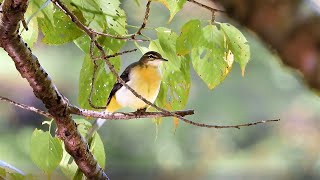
(146, 82)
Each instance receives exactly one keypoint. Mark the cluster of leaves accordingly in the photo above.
(48, 153)
(210, 49)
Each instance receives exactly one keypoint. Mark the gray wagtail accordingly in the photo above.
(144, 77)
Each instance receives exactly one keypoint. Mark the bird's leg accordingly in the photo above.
(142, 110)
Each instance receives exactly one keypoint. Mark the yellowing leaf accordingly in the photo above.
(212, 61)
(237, 44)
(175, 123)
(174, 6)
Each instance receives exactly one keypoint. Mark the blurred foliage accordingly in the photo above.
(284, 150)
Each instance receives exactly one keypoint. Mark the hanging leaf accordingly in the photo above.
(175, 124)
(190, 36)
(45, 150)
(103, 82)
(175, 84)
(167, 44)
(237, 44)
(213, 60)
(174, 6)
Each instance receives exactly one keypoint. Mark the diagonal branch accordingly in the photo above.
(29, 67)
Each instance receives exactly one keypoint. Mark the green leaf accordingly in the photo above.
(103, 15)
(31, 36)
(2, 173)
(175, 85)
(103, 82)
(45, 9)
(238, 45)
(137, 2)
(190, 36)
(68, 166)
(167, 40)
(213, 60)
(174, 6)
(45, 150)
(61, 30)
(17, 176)
(9, 168)
(97, 148)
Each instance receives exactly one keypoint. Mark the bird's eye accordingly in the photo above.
(151, 56)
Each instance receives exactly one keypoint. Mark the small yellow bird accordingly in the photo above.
(144, 77)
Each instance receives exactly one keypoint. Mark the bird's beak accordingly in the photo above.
(163, 59)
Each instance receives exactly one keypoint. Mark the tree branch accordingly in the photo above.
(29, 108)
(131, 115)
(29, 67)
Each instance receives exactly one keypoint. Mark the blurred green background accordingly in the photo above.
(136, 149)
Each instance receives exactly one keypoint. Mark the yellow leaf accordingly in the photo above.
(175, 123)
(157, 122)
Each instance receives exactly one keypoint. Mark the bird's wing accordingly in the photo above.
(125, 77)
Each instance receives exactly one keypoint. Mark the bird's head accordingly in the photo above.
(152, 58)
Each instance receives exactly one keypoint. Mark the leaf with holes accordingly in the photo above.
(59, 31)
(167, 44)
(213, 60)
(103, 15)
(190, 36)
(45, 150)
(103, 82)
(175, 85)
(237, 44)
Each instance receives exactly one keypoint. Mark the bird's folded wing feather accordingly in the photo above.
(125, 77)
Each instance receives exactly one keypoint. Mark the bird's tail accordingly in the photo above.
(95, 126)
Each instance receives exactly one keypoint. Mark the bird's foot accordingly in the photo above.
(141, 111)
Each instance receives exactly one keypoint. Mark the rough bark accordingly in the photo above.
(44, 89)
(285, 26)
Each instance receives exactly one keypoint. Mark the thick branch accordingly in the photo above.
(294, 35)
(29, 67)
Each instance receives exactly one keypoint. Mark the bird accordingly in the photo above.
(144, 76)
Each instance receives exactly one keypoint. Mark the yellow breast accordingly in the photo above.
(145, 80)
(146, 76)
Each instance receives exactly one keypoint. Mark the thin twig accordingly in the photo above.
(115, 54)
(95, 67)
(26, 107)
(213, 10)
(206, 7)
